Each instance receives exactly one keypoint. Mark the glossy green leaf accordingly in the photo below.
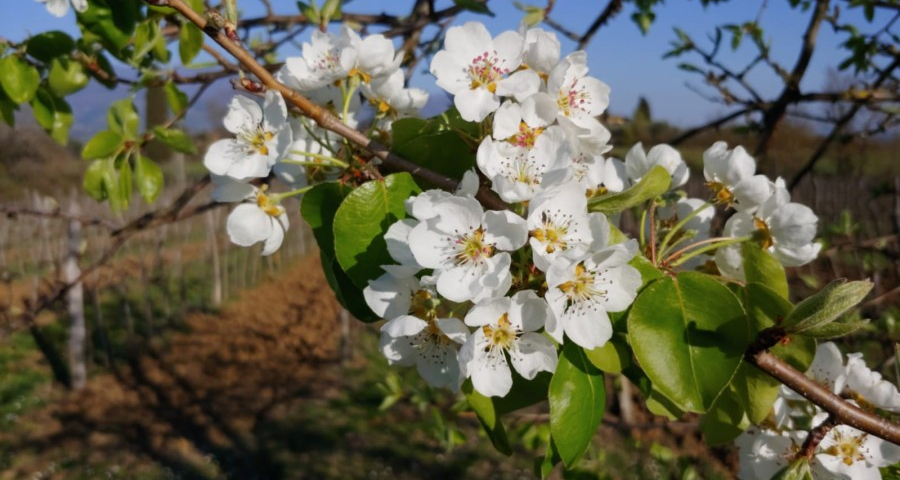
(361, 222)
(19, 80)
(689, 335)
(54, 114)
(758, 390)
(177, 139)
(724, 421)
(66, 76)
(428, 143)
(103, 144)
(474, 6)
(654, 183)
(318, 208)
(103, 180)
(489, 417)
(613, 356)
(544, 465)
(7, 109)
(112, 21)
(123, 119)
(190, 42)
(48, 45)
(122, 197)
(177, 99)
(95, 178)
(827, 305)
(148, 177)
(761, 267)
(577, 403)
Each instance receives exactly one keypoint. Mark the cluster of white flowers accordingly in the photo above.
(844, 452)
(267, 140)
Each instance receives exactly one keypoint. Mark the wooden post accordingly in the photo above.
(75, 301)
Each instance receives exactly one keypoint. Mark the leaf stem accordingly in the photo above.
(664, 245)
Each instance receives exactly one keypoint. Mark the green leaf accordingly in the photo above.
(430, 144)
(655, 183)
(318, 208)
(19, 80)
(95, 178)
(361, 222)
(612, 357)
(112, 21)
(66, 76)
(489, 417)
(123, 119)
(524, 392)
(177, 139)
(103, 144)
(474, 6)
(835, 329)
(761, 267)
(48, 45)
(577, 403)
(54, 114)
(121, 197)
(827, 305)
(104, 180)
(545, 465)
(7, 109)
(190, 42)
(758, 390)
(331, 10)
(310, 11)
(724, 421)
(149, 178)
(798, 470)
(689, 335)
(177, 99)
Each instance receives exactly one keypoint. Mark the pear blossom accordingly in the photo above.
(478, 69)
(559, 225)
(506, 326)
(730, 176)
(784, 228)
(521, 124)
(394, 293)
(59, 8)
(423, 205)
(764, 452)
(541, 52)
(581, 293)
(468, 248)
(846, 452)
(375, 56)
(430, 344)
(258, 219)
(262, 137)
(391, 100)
(638, 163)
(517, 171)
(868, 387)
(326, 59)
(578, 97)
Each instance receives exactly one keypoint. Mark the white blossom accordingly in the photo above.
(258, 219)
(506, 326)
(478, 69)
(262, 135)
(391, 100)
(429, 344)
(468, 248)
(848, 453)
(559, 225)
(638, 163)
(579, 98)
(59, 8)
(517, 170)
(730, 174)
(581, 292)
(764, 452)
(867, 386)
(326, 58)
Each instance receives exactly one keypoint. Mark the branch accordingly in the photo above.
(321, 116)
(612, 9)
(843, 412)
(713, 124)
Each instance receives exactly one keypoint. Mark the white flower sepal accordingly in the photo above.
(468, 248)
(506, 326)
(581, 292)
(262, 136)
(259, 219)
(638, 163)
(430, 345)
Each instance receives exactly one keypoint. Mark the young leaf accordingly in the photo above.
(49, 45)
(835, 329)
(761, 267)
(190, 42)
(826, 306)
(361, 222)
(54, 114)
(489, 418)
(66, 76)
(689, 335)
(19, 80)
(177, 139)
(104, 144)
(655, 183)
(577, 403)
(474, 6)
(176, 99)
(149, 178)
(123, 119)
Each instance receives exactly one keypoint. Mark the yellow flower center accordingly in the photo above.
(485, 72)
(267, 204)
(503, 335)
(847, 447)
(473, 248)
(526, 136)
(550, 234)
(723, 195)
(763, 233)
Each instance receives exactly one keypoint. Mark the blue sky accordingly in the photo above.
(629, 62)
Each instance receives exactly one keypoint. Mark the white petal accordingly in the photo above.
(404, 326)
(506, 120)
(221, 155)
(276, 236)
(389, 296)
(488, 312)
(454, 329)
(475, 105)
(519, 85)
(243, 113)
(533, 353)
(248, 224)
(490, 373)
(440, 367)
(398, 350)
(506, 230)
(588, 328)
